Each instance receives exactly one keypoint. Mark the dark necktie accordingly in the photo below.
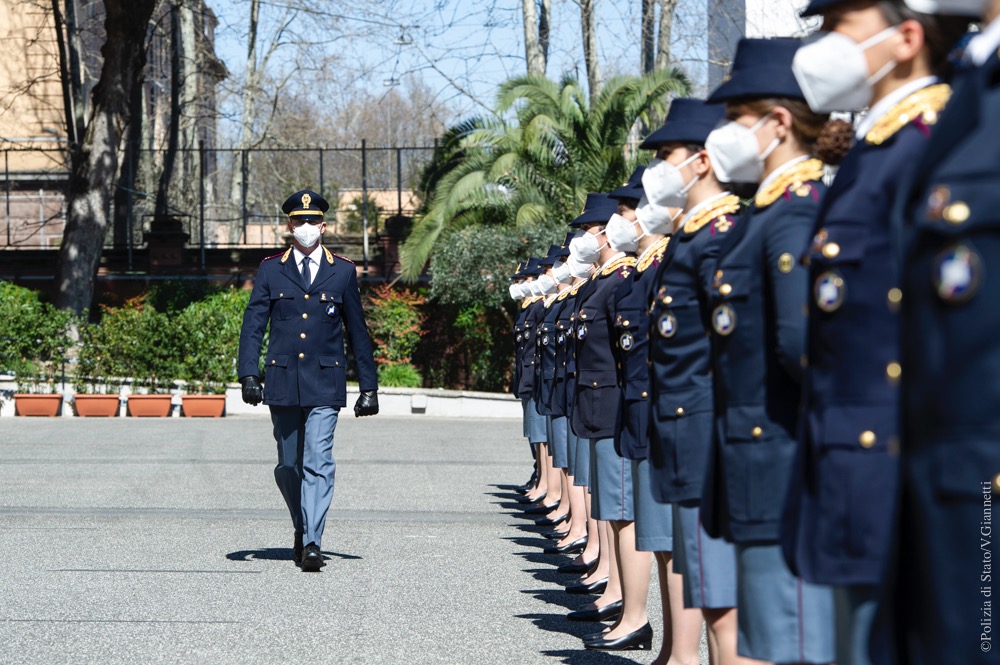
(306, 273)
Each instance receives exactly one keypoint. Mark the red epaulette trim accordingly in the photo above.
(268, 258)
(344, 258)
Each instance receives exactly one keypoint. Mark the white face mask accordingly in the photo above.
(561, 273)
(307, 234)
(579, 269)
(586, 248)
(622, 235)
(515, 291)
(546, 285)
(735, 153)
(949, 7)
(832, 71)
(655, 218)
(663, 183)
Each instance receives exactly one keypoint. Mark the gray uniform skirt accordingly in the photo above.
(610, 482)
(557, 428)
(535, 423)
(708, 565)
(581, 468)
(654, 522)
(781, 618)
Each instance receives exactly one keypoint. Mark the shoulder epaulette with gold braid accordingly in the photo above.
(530, 301)
(576, 289)
(654, 253)
(925, 104)
(796, 179)
(623, 262)
(550, 299)
(727, 205)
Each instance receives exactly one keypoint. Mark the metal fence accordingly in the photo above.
(224, 197)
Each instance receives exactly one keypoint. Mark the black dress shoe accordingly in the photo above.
(555, 535)
(605, 613)
(595, 636)
(576, 568)
(576, 546)
(541, 509)
(548, 521)
(530, 502)
(641, 639)
(312, 559)
(297, 549)
(594, 587)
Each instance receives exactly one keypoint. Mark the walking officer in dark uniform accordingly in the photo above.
(310, 297)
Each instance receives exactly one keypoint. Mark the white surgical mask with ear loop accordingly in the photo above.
(664, 184)
(307, 234)
(534, 288)
(974, 8)
(622, 234)
(832, 71)
(735, 153)
(655, 218)
(586, 248)
(579, 269)
(515, 291)
(546, 285)
(561, 273)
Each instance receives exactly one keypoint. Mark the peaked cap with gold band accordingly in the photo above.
(305, 206)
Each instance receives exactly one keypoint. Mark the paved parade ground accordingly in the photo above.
(152, 541)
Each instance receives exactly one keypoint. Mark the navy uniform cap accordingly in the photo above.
(532, 269)
(598, 210)
(517, 272)
(688, 121)
(762, 68)
(305, 205)
(632, 189)
(551, 257)
(817, 7)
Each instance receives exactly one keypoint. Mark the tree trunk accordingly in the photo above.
(590, 48)
(170, 157)
(648, 36)
(248, 117)
(532, 46)
(94, 162)
(544, 28)
(667, 9)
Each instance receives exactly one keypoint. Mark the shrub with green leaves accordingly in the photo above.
(401, 375)
(395, 322)
(34, 338)
(210, 332)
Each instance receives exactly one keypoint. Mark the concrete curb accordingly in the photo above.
(434, 403)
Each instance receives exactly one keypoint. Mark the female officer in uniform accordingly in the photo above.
(838, 526)
(596, 399)
(519, 292)
(757, 295)
(681, 402)
(949, 215)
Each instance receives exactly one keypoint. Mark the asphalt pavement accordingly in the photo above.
(166, 541)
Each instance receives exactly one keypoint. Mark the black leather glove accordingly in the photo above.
(367, 404)
(253, 392)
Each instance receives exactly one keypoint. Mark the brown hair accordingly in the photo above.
(828, 139)
(941, 33)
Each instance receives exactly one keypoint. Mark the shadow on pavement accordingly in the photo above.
(584, 657)
(278, 554)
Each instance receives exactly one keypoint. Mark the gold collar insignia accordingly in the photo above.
(623, 262)
(654, 253)
(288, 252)
(795, 179)
(925, 104)
(726, 205)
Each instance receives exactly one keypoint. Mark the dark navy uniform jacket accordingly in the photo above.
(950, 392)
(679, 348)
(545, 340)
(526, 381)
(631, 337)
(564, 388)
(841, 502)
(306, 360)
(518, 332)
(595, 406)
(757, 296)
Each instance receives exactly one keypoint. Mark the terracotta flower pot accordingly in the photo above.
(149, 406)
(203, 406)
(96, 406)
(26, 404)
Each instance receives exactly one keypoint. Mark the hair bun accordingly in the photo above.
(834, 141)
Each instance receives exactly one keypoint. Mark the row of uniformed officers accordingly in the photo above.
(738, 389)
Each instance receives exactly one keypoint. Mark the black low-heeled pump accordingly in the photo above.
(641, 639)
(608, 612)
